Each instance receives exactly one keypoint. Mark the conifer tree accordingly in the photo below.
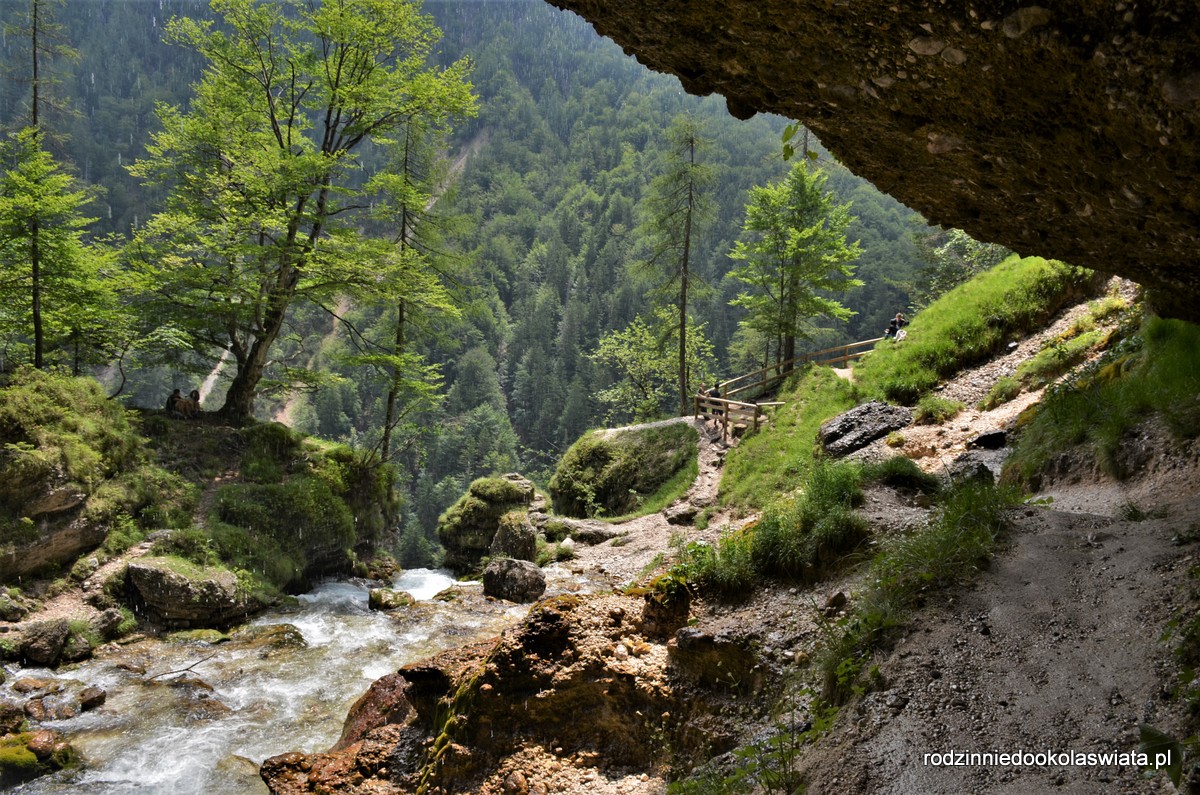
(677, 206)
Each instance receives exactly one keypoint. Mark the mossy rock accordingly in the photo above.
(611, 472)
(469, 526)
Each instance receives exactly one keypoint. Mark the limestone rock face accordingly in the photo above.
(182, 596)
(514, 580)
(1065, 130)
(862, 425)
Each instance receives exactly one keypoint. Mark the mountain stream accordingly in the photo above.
(197, 718)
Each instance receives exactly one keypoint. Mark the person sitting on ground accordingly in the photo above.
(890, 331)
(173, 399)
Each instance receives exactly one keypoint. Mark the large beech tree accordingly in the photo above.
(794, 258)
(266, 204)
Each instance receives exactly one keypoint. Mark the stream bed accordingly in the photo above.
(184, 718)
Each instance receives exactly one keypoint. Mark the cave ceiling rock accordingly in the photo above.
(1066, 130)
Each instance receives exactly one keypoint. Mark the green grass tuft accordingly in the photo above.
(1156, 372)
(1005, 389)
(934, 410)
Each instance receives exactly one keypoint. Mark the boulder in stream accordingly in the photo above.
(181, 594)
(514, 580)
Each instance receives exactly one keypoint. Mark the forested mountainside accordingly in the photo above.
(541, 231)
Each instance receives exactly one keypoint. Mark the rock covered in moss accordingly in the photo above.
(388, 599)
(515, 537)
(182, 594)
(468, 528)
(610, 472)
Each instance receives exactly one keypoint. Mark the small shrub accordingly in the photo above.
(727, 568)
(1005, 389)
(192, 544)
(903, 473)
(895, 439)
(934, 410)
(271, 449)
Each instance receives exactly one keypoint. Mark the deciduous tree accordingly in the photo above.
(266, 202)
(795, 256)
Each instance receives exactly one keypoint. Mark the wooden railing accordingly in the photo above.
(750, 415)
(769, 376)
(727, 412)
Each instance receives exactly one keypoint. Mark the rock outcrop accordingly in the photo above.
(514, 580)
(1066, 130)
(468, 528)
(858, 427)
(180, 594)
(592, 689)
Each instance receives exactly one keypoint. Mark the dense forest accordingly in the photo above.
(537, 226)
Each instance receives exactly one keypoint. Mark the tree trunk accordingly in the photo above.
(393, 392)
(239, 400)
(35, 263)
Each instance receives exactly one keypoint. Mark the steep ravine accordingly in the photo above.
(1062, 645)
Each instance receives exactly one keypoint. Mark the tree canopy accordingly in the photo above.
(265, 196)
(795, 256)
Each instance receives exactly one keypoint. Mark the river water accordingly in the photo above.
(204, 731)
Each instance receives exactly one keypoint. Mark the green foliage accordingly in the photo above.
(967, 325)
(806, 536)
(903, 473)
(796, 256)
(1056, 358)
(726, 569)
(271, 451)
(953, 257)
(765, 465)
(614, 473)
(1156, 372)
(959, 540)
(270, 145)
(800, 537)
(191, 543)
(678, 204)
(59, 301)
(644, 360)
(1005, 389)
(934, 410)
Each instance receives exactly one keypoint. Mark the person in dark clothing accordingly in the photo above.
(173, 399)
